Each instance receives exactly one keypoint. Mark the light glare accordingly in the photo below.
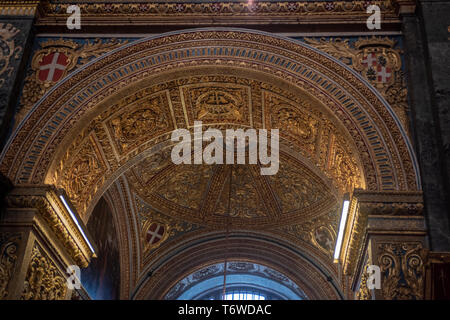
(344, 214)
(76, 222)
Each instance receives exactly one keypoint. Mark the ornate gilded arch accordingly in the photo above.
(106, 128)
(34, 154)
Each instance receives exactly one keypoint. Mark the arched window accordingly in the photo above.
(244, 281)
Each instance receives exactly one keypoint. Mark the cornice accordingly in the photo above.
(18, 7)
(204, 13)
(49, 206)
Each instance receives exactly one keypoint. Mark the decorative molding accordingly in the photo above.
(223, 12)
(18, 7)
(49, 206)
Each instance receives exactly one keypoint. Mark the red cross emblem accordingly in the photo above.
(384, 74)
(370, 60)
(155, 233)
(52, 66)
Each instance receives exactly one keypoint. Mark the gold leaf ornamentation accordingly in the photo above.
(43, 280)
(403, 270)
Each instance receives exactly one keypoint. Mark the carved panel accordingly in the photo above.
(9, 244)
(84, 173)
(185, 185)
(364, 292)
(297, 121)
(221, 103)
(43, 280)
(320, 231)
(402, 270)
(245, 198)
(296, 188)
(318, 138)
(138, 122)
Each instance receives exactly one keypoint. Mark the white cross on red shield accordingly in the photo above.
(155, 233)
(383, 73)
(52, 66)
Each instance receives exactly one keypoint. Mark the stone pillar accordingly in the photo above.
(387, 230)
(436, 23)
(427, 51)
(16, 36)
(38, 241)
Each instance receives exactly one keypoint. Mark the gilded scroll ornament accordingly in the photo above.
(8, 50)
(8, 256)
(43, 280)
(402, 270)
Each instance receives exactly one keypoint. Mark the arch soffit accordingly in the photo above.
(387, 161)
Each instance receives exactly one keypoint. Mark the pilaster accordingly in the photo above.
(39, 240)
(386, 230)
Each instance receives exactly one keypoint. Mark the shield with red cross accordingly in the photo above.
(52, 66)
(376, 68)
(384, 74)
(155, 233)
(369, 60)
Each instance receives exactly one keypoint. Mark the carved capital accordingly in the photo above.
(51, 210)
(399, 212)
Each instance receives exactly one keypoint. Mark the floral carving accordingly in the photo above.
(43, 280)
(146, 118)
